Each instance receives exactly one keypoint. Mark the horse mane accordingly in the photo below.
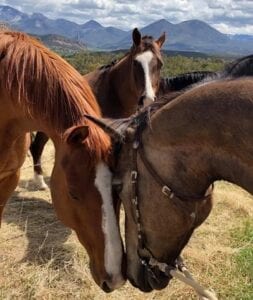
(182, 81)
(240, 67)
(108, 66)
(148, 42)
(47, 88)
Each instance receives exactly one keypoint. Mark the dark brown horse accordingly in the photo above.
(40, 91)
(119, 87)
(168, 163)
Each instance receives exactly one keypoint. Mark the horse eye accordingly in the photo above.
(73, 196)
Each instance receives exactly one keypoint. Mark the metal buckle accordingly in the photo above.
(136, 144)
(134, 175)
(166, 191)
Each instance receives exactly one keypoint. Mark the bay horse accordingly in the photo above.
(119, 88)
(40, 91)
(171, 155)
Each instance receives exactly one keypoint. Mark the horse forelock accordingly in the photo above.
(47, 88)
(148, 43)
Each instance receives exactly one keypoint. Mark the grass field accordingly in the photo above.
(41, 259)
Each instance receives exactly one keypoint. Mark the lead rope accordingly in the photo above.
(185, 276)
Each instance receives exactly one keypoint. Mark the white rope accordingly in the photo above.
(186, 277)
(30, 166)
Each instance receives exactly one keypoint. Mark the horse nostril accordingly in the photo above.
(105, 287)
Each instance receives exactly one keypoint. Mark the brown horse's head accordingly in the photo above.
(166, 223)
(81, 193)
(146, 64)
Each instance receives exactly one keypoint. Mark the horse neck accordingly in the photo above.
(14, 145)
(203, 139)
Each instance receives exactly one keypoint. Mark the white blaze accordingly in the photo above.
(113, 248)
(144, 59)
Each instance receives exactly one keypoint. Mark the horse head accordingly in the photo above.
(158, 222)
(146, 65)
(82, 196)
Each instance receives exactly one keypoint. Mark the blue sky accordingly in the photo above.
(228, 16)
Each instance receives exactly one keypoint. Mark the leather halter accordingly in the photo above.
(137, 148)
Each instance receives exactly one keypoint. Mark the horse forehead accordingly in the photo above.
(145, 57)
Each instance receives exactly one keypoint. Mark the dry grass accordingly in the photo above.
(41, 259)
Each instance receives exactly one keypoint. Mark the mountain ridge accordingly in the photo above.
(190, 35)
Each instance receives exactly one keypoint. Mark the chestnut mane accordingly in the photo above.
(46, 87)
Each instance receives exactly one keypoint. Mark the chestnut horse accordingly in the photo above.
(178, 151)
(119, 87)
(40, 91)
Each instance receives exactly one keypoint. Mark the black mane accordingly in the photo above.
(182, 81)
(108, 66)
(239, 67)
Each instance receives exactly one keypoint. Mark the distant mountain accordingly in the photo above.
(11, 15)
(241, 37)
(61, 44)
(4, 26)
(97, 36)
(91, 33)
(91, 25)
(192, 35)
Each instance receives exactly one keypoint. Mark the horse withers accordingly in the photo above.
(119, 87)
(40, 91)
(169, 161)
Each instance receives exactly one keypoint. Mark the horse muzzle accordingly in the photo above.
(112, 284)
(149, 278)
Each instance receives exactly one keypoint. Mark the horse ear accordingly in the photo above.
(136, 35)
(161, 40)
(76, 135)
(109, 126)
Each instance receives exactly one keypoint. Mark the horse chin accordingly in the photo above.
(148, 280)
(159, 281)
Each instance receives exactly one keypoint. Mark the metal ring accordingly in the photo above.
(134, 175)
(166, 190)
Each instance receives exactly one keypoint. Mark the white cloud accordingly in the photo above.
(247, 29)
(225, 15)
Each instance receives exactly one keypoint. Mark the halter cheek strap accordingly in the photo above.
(145, 255)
